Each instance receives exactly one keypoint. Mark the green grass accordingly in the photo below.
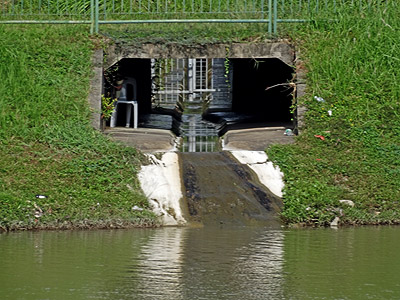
(48, 147)
(354, 65)
(46, 141)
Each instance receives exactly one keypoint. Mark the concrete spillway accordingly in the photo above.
(220, 190)
(234, 188)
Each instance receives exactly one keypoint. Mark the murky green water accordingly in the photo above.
(202, 263)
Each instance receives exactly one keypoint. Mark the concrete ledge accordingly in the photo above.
(255, 139)
(144, 139)
(96, 88)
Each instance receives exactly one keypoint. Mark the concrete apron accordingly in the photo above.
(162, 183)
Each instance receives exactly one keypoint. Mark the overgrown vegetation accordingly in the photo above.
(185, 34)
(354, 153)
(56, 171)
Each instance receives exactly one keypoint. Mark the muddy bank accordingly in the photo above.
(84, 225)
(220, 190)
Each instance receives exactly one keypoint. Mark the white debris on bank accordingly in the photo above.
(270, 176)
(160, 182)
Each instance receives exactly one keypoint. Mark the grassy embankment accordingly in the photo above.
(49, 148)
(354, 65)
(46, 143)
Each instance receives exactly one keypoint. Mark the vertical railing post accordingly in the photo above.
(96, 17)
(275, 9)
(262, 10)
(270, 17)
(92, 16)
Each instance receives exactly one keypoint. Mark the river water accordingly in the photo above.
(202, 263)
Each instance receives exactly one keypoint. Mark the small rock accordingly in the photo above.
(137, 208)
(347, 202)
(335, 222)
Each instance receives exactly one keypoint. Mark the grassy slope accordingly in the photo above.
(354, 65)
(46, 142)
(48, 146)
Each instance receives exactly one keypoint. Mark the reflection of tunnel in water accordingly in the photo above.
(207, 263)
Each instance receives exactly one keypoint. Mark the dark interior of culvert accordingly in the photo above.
(140, 70)
(261, 88)
(259, 92)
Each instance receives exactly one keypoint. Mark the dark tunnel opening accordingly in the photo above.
(130, 68)
(260, 87)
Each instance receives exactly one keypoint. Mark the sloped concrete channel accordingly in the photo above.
(226, 188)
(219, 190)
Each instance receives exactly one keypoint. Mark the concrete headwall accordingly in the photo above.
(281, 50)
(96, 88)
(219, 52)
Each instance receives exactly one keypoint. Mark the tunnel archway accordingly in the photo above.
(249, 86)
(137, 69)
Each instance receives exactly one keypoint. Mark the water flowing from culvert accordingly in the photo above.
(218, 190)
(198, 135)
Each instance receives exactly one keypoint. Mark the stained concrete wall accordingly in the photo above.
(281, 50)
(96, 89)
(222, 98)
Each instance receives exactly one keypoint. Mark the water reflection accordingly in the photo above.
(183, 263)
(350, 263)
(160, 263)
(202, 263)
(198, 135)
(232, 263)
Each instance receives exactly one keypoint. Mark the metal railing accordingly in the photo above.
(301, 11)
(97, 12)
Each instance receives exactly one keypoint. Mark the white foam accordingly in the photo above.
(160, 182)
(268, 174)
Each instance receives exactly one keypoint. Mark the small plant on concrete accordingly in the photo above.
(107, 107)
(227, 66)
